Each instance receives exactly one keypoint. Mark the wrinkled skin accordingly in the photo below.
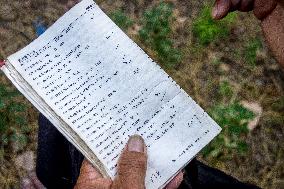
(131, 171)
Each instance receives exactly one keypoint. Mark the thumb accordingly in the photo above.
(132, 165)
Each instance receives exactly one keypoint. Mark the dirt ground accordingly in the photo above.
(262, 165)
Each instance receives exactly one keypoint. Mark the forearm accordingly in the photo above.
(273, 29)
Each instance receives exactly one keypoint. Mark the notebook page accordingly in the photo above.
(106, 88)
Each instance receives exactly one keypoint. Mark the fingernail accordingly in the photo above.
(135, 144)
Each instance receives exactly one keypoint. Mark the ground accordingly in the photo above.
(221, 73)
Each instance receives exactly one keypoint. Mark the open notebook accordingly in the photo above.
(98, 87)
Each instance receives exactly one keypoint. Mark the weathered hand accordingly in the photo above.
(261, 8)
(131, 170)
(271, 14)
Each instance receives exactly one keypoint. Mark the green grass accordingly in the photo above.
(121, 19)
(225, 90)
(251, 49)
(233, 118)
(13, 119)
(156, 33)
(206, 30)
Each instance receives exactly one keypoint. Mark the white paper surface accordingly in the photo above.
(106, 88)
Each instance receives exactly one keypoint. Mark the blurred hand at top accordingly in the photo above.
(260, 8)
(271, 14)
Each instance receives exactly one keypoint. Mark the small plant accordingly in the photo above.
(156, 32)
(251, 49)
(121, 19)
(216, 61)
(207, 30)
(13, 119)
(225, 90)
(233, 119)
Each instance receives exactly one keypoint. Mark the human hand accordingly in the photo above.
(271, 14)
(2, 63)
(261, 8)
(131, 170)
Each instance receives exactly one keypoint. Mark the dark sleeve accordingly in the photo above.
(58, 162)
(201, 176)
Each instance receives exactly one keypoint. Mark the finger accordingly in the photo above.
(2, 63)
(221, 9)
(235, 5)
(90, 178)
(246, 5)
(262, 8)
(132, 165)
(88, 170)
(26, 183)
(36, 181)
(174, 184)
